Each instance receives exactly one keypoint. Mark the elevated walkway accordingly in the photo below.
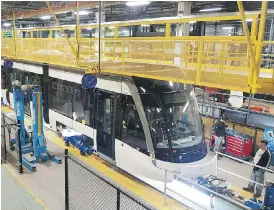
(215, 61)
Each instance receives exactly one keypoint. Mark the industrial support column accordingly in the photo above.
(45, 90)
(184, 9)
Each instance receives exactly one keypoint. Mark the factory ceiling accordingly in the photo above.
(31, 12)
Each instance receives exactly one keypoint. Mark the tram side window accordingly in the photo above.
(132, 132)
(61, 98)
(3, 79)
(105, 112)
(36, 80)
(17, 75)
(81, 109)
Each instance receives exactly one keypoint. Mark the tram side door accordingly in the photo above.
(105, 123)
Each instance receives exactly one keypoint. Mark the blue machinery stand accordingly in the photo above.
(36, 151)
(268, 203)
(18, 96)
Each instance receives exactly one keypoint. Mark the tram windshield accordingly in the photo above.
(173, 118)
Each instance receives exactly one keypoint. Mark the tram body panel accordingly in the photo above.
(3, 95)
(137, 163)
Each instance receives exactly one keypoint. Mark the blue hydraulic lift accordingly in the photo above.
(36, 150)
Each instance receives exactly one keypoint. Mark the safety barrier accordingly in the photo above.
(213, 197)
(9, 130)
(225, 169)
(217, 61)
(86, 188)
(222, 62)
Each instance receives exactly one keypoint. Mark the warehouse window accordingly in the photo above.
(41, 34)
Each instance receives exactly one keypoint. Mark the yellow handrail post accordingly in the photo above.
(59, 25)
(199, 61)
(116, 32)
(254, 30)
(254, 27)
(250, 47)
(167, 30)
(123, 55)
(260, 41)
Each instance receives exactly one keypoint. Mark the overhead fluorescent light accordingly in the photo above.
(191, 22)
(210, 9)
(228, 27)
(82, 12)
(89, 29)
(7, 24)
(145, 25)
(170, 84)
(47, 17)
(247, 20)
(137, 3)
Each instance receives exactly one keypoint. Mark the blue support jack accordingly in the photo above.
(267, 204)
(35, 151)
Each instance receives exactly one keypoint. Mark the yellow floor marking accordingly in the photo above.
(38, 200)
(245, 194)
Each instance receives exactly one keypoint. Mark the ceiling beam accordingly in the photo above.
(63, 8)
(16, 6)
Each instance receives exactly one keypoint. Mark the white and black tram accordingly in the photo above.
(141, 125)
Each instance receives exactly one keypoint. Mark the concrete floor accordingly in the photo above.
(14, 196)
(241, 169)
(48, 181)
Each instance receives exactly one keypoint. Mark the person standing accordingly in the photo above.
(219, 129)
(262, 158)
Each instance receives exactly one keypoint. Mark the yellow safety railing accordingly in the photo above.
(222, 63)
(215, 61)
